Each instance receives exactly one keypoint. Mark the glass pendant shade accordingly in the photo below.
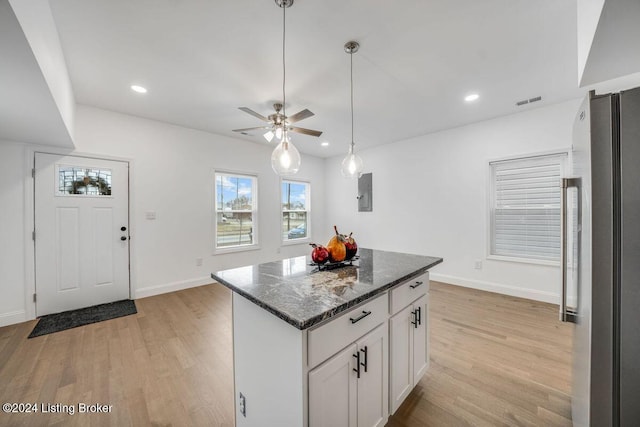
(285, 159)
(279, 132)
(351, 165)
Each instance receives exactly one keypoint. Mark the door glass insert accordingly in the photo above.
(77, 180)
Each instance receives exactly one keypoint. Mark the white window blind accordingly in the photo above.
(525, 207)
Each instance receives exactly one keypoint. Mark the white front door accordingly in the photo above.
(81, 232)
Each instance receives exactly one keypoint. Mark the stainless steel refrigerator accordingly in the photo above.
(601, 260)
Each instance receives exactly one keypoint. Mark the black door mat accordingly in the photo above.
(72, 319)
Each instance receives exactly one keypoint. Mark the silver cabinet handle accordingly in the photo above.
(565, 183)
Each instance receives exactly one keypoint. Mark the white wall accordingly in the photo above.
(172, 174)
(39, 28)
(12, 245)
(613, 51)
(588, 12)
(430, 197)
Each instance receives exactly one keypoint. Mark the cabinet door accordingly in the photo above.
(333, 391)
(420, 340)
(400, 351)
(373, 387)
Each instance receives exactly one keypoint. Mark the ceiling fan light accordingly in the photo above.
(279, 132)
(268, 136)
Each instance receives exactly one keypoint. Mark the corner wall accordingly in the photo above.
(430, 196)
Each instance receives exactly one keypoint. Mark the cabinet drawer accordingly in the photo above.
(326, 340)
(405, 294)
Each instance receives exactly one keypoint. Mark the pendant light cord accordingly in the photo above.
(284, 68)
(352, 143)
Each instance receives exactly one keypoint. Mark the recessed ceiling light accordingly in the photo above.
(325, 144)
(138, 89)
(471, 97)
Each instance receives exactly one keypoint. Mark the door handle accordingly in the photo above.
(419, 320)
(415, 318)
(416, 285)
(565, 183)
(123, 238)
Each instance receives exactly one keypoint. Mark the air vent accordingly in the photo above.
(528, 101)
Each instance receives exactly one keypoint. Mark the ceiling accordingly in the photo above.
(25, 94)
(202, 59)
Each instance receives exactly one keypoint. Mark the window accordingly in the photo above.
(525, 207)
(79, 180)
(295, 210)
(236, 210)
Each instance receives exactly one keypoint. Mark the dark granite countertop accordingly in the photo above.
(297, 294)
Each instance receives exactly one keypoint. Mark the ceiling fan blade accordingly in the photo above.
(306, 131)
(250, 129)
(253, 113)
(301, 115)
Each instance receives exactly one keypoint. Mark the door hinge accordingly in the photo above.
(33, 235)
(33, 173)
(34, 297)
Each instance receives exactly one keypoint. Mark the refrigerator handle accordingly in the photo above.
(565, 183)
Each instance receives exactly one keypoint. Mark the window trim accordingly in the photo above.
(489, 200)
(305, 240)
(254, 213)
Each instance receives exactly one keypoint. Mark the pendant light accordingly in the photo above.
(285, 159)
(352, 163)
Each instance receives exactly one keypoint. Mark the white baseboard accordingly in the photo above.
(150, 291)
(13, 317)
(500, 288)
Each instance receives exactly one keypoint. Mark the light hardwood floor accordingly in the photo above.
(495, 360)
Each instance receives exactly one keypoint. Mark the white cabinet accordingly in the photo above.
(408, 350)
(373, 388)
(421, 340)
(333, 392)
(350, 389)
(329, 338)
(400, 351)
(308, 378)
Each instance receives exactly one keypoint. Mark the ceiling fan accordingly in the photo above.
(278, 123)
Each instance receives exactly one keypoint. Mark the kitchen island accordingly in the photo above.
(328, 348)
